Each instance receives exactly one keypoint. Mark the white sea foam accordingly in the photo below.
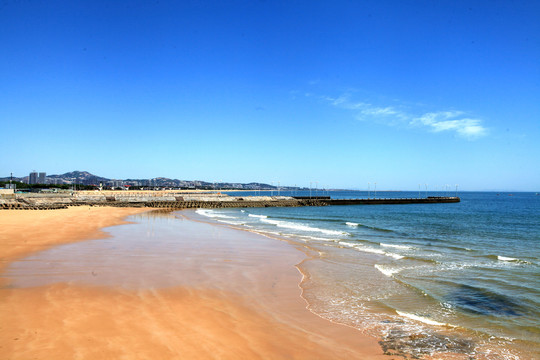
(345, 243)
(476, 264)
(315, 238)
(421, 319)
(295, 226)
(378, 251)
(513, 260)
(405, 247)
(212, 214)
(395, 256)
(232, 222)
(371, 250)
(202, 212)
(351, 224)
(504, 258)
(258, 216)
(386, 271)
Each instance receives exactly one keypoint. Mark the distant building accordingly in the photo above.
(41, 178)
(33, 178)
(116, 183)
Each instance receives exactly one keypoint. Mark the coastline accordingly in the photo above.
(333, 294)
(256, 311)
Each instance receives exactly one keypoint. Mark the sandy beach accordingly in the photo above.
(236, 296)
(25, 232)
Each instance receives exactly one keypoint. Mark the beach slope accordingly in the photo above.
(234, 310)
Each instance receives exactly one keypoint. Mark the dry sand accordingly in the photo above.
(67, 321)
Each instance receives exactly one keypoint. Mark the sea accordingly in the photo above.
(428, 279)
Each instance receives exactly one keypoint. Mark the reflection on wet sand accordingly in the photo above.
(168, 288)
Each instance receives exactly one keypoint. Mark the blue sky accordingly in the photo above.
(344, 93)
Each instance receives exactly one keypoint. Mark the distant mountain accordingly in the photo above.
(82, 176)
(75, 174)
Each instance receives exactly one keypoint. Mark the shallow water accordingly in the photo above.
(159, 250)
(471, 266)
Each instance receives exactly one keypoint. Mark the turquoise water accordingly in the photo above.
(470, 268)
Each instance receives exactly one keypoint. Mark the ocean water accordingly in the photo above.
(460, 278)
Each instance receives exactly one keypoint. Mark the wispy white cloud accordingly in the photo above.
(452, 121)
(441, 121)
(363, 109)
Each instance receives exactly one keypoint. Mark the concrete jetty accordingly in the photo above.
(186, 200)
(388, 201)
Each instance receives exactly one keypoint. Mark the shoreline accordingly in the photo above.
(266, 319)
(420, 337)
(309, 254)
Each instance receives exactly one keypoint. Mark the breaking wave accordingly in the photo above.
(301, 227)
(213, 214)
(421, 319)
(387, 271)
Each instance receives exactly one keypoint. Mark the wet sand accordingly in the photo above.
(232, 295)
(23, 232)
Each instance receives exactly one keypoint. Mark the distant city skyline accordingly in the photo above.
(93, 179)
(342, 93)
(86, 178)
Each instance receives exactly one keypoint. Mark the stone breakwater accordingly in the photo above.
(172, 200)
(161, 200)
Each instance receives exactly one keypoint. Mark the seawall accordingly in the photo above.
(170, 200)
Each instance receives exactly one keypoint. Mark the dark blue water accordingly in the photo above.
(473, 265)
